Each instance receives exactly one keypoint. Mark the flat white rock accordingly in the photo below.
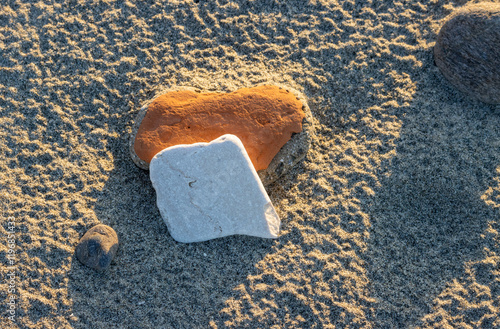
(210, 190)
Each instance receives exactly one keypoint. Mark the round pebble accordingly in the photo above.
(97, 247)
(467, 51)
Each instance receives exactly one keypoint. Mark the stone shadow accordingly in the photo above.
(427, 216)
(154, 281)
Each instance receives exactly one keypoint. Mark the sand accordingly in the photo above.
(391, 221)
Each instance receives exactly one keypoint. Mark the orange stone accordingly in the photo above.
(263, 118)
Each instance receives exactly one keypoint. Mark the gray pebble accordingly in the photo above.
(467, 51)
(97, 247)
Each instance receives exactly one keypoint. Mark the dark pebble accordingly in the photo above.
(467, 51)
(97, 247)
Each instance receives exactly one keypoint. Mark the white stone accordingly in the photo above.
(210, 190)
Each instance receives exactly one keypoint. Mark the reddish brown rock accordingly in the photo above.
(263, 117)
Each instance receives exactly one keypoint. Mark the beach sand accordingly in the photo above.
(391, 221)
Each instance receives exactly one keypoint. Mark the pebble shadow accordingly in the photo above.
(155, 280)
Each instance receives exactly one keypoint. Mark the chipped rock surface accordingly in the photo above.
(263, 117)
(97, 247)
(211, 190)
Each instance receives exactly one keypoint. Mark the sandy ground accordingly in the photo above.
(391, 221)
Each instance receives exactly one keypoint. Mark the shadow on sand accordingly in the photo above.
(427, 216)
(155, 281)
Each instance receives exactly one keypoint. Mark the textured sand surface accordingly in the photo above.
(391, 221)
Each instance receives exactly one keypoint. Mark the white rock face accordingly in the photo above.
(210, 190)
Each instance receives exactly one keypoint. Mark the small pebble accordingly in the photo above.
(97, 247)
